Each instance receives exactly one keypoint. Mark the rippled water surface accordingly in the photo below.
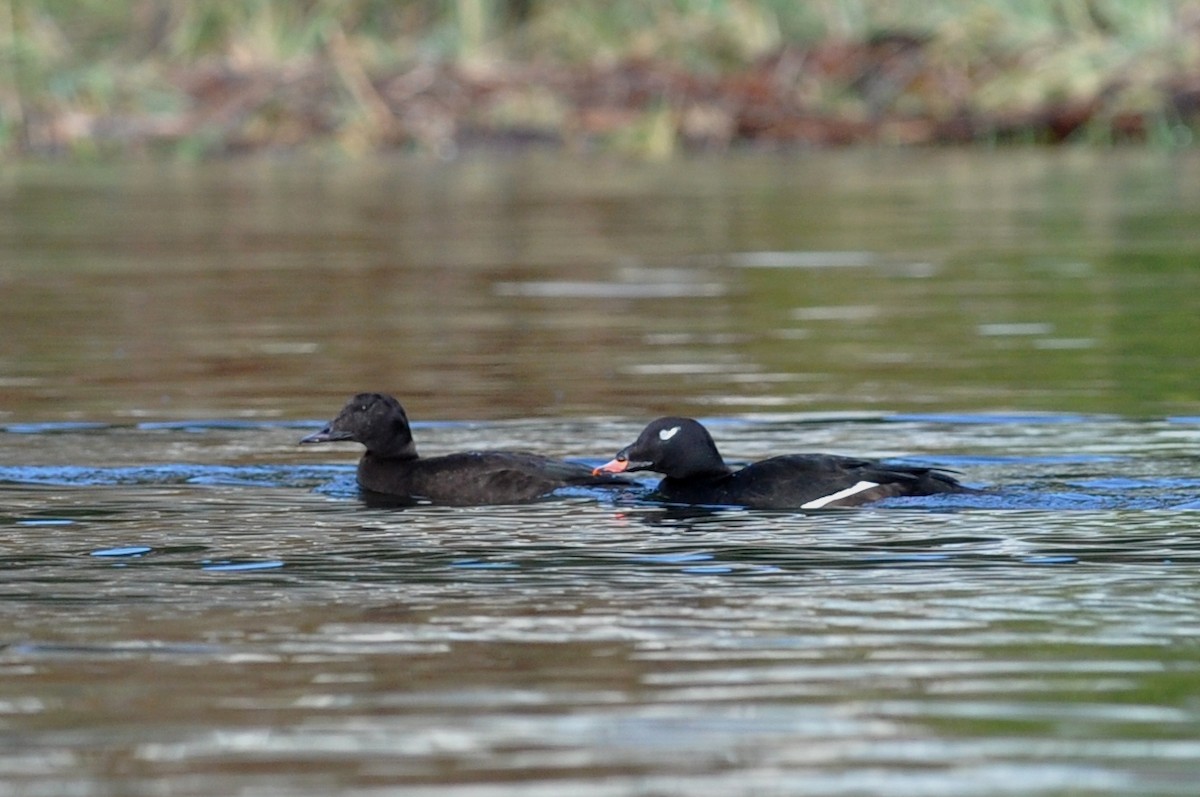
(191, 604)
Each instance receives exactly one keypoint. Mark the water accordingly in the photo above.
(191, 604)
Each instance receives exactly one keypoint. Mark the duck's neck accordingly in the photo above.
(401, 451)
(710, 470)
(709, 466)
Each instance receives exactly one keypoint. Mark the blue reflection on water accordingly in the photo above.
(51, 428)
(673, 557)
(233, 475)
(129, 550)
(476, 564)
(1126, 483)
(708, 569)
(234, 567)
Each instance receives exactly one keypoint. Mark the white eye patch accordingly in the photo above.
(667, 434)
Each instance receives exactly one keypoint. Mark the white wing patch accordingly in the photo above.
(817, 503)
(667, 434)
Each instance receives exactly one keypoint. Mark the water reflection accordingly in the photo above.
(534, 286)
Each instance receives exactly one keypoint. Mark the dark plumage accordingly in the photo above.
(684, 452)
(390, 466)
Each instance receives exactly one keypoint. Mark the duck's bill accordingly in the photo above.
(616, 466)
(326, 435)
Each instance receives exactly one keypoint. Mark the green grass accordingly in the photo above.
(89, 76)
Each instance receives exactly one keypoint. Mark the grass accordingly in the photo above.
(93, 78)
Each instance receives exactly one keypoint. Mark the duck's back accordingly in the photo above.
(810, 481)
(475, 477)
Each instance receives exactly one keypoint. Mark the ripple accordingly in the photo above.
(238, 567)
(987, 419)
(59, 427)
(129, 550)
(229, 475)
(803, 259)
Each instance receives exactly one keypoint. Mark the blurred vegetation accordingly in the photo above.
(206, 77)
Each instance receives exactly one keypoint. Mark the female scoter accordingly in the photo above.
(390, 466)
(683, 451)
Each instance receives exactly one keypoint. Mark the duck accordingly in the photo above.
(390, 466)
(695, 473)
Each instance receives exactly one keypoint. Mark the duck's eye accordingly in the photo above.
(667, 434)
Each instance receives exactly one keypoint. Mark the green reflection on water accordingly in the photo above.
(532, 285)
